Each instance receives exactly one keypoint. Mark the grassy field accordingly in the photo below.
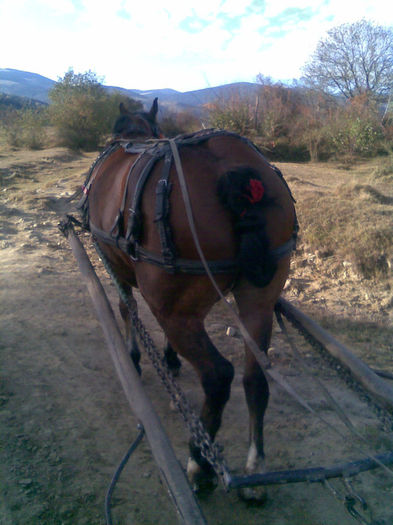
(347, 213)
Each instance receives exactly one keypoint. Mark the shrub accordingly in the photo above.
(25, 128)
(177, 123)
(355, 129)
(234, 114)
(275, 106)
(82, 111)
(308, 128)
(303, 124)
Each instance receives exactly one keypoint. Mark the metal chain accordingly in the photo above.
(211, 451)
(383, 414)
(349, 500)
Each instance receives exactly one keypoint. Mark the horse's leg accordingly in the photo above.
(180, 304)
(126, 312)
(256, 307)
(189, 338)
(172, 359)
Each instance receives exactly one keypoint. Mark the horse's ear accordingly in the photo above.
(122, 108)
(153, 110)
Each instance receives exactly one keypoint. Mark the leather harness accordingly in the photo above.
(149, 153)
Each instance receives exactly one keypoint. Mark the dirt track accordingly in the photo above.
(65, 423)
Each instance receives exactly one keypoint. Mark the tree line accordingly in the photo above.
(299, 123)
(342, 106)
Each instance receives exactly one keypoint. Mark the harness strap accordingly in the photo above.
(188, 266)
(134, 225)
(163, 190)
(130, 171)
(90, 179)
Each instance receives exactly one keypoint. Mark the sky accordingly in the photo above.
(178, 44)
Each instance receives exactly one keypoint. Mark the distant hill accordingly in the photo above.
(25, 84)
(190, 100)
(33, 86)
(17, 102)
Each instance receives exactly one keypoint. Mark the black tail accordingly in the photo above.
(242, 192)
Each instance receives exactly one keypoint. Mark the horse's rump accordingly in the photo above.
(242, 208)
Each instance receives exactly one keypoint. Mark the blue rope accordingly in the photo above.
(116, 476)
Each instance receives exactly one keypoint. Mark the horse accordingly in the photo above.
(246, 225)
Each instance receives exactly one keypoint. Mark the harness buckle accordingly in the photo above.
(132, 250)
(162, 182)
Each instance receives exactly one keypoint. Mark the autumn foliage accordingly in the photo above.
(299, 123)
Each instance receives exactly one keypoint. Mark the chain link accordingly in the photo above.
(211, 451)
(383, 414)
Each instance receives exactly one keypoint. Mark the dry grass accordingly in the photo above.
(384, 170)
(347, 214)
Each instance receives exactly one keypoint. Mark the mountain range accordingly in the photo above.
(33, 86)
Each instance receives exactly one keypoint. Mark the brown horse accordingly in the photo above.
(246, 224)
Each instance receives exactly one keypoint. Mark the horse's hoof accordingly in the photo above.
(253, 495)
(202, 483)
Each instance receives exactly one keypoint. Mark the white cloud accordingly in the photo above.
(59, 7)
(184, 45)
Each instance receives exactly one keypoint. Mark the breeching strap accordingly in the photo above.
(261, 357)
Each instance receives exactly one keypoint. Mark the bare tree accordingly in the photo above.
(353, 59)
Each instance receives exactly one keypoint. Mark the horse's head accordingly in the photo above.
(141, 124)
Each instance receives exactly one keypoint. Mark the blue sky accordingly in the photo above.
(150, 44)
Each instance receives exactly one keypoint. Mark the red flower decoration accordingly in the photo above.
(256, 190)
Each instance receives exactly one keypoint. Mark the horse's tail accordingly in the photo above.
(242, 192)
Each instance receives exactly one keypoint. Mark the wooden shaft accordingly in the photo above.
(311, 475)
(363, 373)
(171, 472)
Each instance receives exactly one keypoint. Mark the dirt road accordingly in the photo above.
(65, 423)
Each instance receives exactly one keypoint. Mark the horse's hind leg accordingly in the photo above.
(172, 359)
(126, 312)
(189, 338)
(256, 308)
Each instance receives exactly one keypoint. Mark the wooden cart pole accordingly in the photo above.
(189, 512)
(366, 377)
